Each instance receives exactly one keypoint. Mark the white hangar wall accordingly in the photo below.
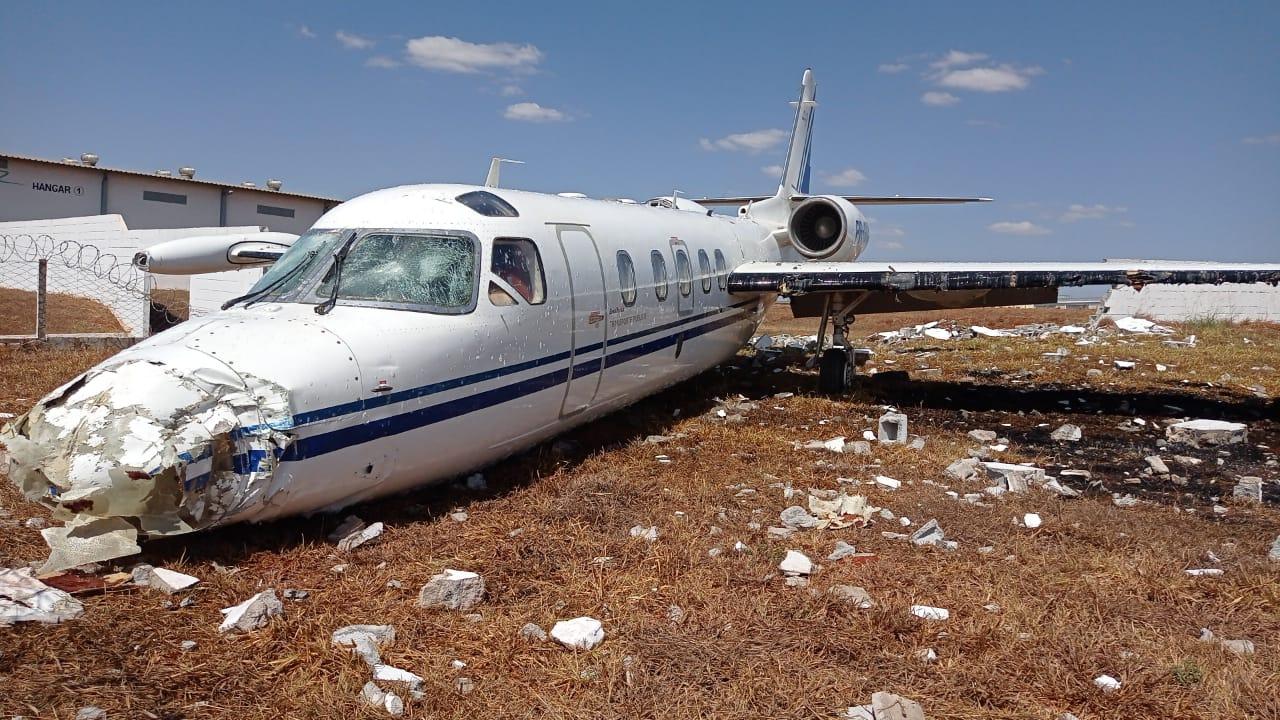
(1256, 301)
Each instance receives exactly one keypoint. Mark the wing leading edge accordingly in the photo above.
(855, 199)
(818, 277)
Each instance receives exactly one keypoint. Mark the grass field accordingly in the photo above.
(1096, 589)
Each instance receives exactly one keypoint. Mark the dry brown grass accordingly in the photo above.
(65, 314)
(1095, 590)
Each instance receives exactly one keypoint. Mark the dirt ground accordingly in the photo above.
(65, 314)
(1035, 615)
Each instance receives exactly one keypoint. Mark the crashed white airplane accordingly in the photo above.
(419, 332)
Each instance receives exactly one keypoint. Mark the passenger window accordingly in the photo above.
(430, 270)
(704, 267)
(684, 274)
(517, 262)
(722, 272)
(659, 275)
(626, 278)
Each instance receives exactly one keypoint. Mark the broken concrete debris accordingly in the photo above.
(887, 482)
(1124, 501)
(796, 563)
(1249, 489)
(892, 428)
(365, 641)
(1141, 326)
(885, 706)
(1031, 521)
(983, 436)
(835, 445)
(1014, 478)
(852, 594)
(963, 469)
(928, 612)
(353, 532)
(1106, 683)
(23, 598)
(1202, 433)
(170, 581)
(532, 632)
(842, 551)
(797, 518)
(1238, 647)
(91, 712)
(452, 589)
(1157, 464)
(1274, 554)
(1067, 433)
(1054, 486)
(929, 534)
(251, 614)
(581, 633)
(648, 534)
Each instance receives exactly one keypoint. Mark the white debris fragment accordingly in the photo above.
(170, 581)
(892, 428)
(1274, 554)
(582, 633)
(928, 612)
(1125, 364)
(532, 632)
(983, 436)
(797, 518)
(796, 563)
(988, 332)
(1067, 433)
(927, 655)
(1239, 647)
(835, 445)
(963, 469)
(938, 333)
(1204, 572)
(393, 705)
(85, 539)
(887, 482)
(928, 534)
(1199, 433)
(648, 534)
(360, 537)
(1031, 520)
(373, 695)
(91, 712)
(251, 614)
(1057, 487)
(1014, 478)
(740, 547)
(35, 523)
(1124, 501)
(1249, 489)
(187, 645)
(842, 551)
(1157, 464)
(365, 640)
(25, 599)
(1140, 326)
(388, 673)
(452, 589)
(1106, 683)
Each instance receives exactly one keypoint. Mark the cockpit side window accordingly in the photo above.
(517, 262)
(436, 273)
(487, 204)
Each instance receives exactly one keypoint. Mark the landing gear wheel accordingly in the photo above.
(835, 372)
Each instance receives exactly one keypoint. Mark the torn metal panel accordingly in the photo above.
(799, 278)
(140, 447)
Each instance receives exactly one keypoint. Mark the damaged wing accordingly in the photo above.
(898, 287)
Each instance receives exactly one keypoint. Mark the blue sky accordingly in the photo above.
(1102, 129)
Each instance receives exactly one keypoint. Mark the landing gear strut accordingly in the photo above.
(837, 365)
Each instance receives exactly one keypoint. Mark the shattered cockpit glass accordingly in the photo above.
(308, 251)
(436, 271)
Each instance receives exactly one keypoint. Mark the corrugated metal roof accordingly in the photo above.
(173, 178)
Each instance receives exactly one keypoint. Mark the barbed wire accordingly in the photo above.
(119, 273)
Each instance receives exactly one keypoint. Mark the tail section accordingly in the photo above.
(795, 174)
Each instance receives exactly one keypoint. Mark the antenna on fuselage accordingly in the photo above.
(495, 168)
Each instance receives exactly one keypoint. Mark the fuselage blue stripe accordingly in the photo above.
(412, 420)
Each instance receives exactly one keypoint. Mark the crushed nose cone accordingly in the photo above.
(160, 442)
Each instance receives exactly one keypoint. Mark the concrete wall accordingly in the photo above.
(210, 290)
(1196, 302)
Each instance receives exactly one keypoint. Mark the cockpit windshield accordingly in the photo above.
(431, 271)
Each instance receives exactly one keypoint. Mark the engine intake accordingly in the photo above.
(819, 226)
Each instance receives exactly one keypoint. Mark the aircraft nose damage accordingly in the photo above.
(147, 446)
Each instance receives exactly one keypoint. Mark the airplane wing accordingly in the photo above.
(896, 287)
(855, 199)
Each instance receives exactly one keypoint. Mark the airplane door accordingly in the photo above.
(590, 321)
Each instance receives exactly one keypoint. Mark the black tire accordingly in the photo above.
(834, 372)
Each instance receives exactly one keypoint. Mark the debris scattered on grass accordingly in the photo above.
(648, 534)
(852, 594)
(842, 551)
(366, 641)
(452, 589)
(963, 469)
(796, 563)
(23, 598)
(1204, 572)
(1067, 433)
(581, 633)
(835, 445)
(251, 614)
(892, 428)
(1031, 521)
(1106, 683)
(532, 632)
(928, 612)
(91, 712)
(1249, 489)
(887, 482)
(170, 581)
(1201, 433)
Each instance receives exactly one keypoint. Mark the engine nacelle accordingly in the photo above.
(213, 253)
(828, 227)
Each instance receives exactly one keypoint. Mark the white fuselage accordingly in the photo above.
(365, 401)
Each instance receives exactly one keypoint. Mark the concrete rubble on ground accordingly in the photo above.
(452, 589)
(533, 632)
(891, 428)
(931, 534)
(885, 706)
(91, 712)
(928, 612)
(1202, 433)
(1014, 478)
(796, 563)
(581, 633)
(353, 532)
(251, 614)
(1106, 683)
(648, 534)
(842, 551)
(852, 594)
(1274, 554)
(963, 469)
(1249, 489)
(170, 581)
(366, 641)
(23, 598)
(1067, 433)
(1237, 647)
(835, 445)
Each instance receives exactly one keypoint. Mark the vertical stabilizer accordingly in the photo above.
(795, 174)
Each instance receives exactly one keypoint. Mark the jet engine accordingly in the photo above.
(213, 253)
(828, 227)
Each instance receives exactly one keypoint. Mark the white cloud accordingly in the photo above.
(892, 68)
(957, 58)
(1263, 140)
(306, 32)
(845, 178)
(752, 142)
(450, 54)
(773, 170)
(1091, 212)
(533, 112)
(939, 99)
(382, 61)
(351, 41)
(511, 91)
(1003, 78)
(1025, 227)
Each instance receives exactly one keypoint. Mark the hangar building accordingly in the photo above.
(39, 189)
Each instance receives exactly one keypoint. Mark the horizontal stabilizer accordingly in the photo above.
(855, 199)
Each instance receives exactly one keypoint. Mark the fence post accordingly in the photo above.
(42, 299)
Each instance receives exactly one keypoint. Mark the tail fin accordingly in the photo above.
(795, 174)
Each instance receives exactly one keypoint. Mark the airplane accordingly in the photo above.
(421, 332)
